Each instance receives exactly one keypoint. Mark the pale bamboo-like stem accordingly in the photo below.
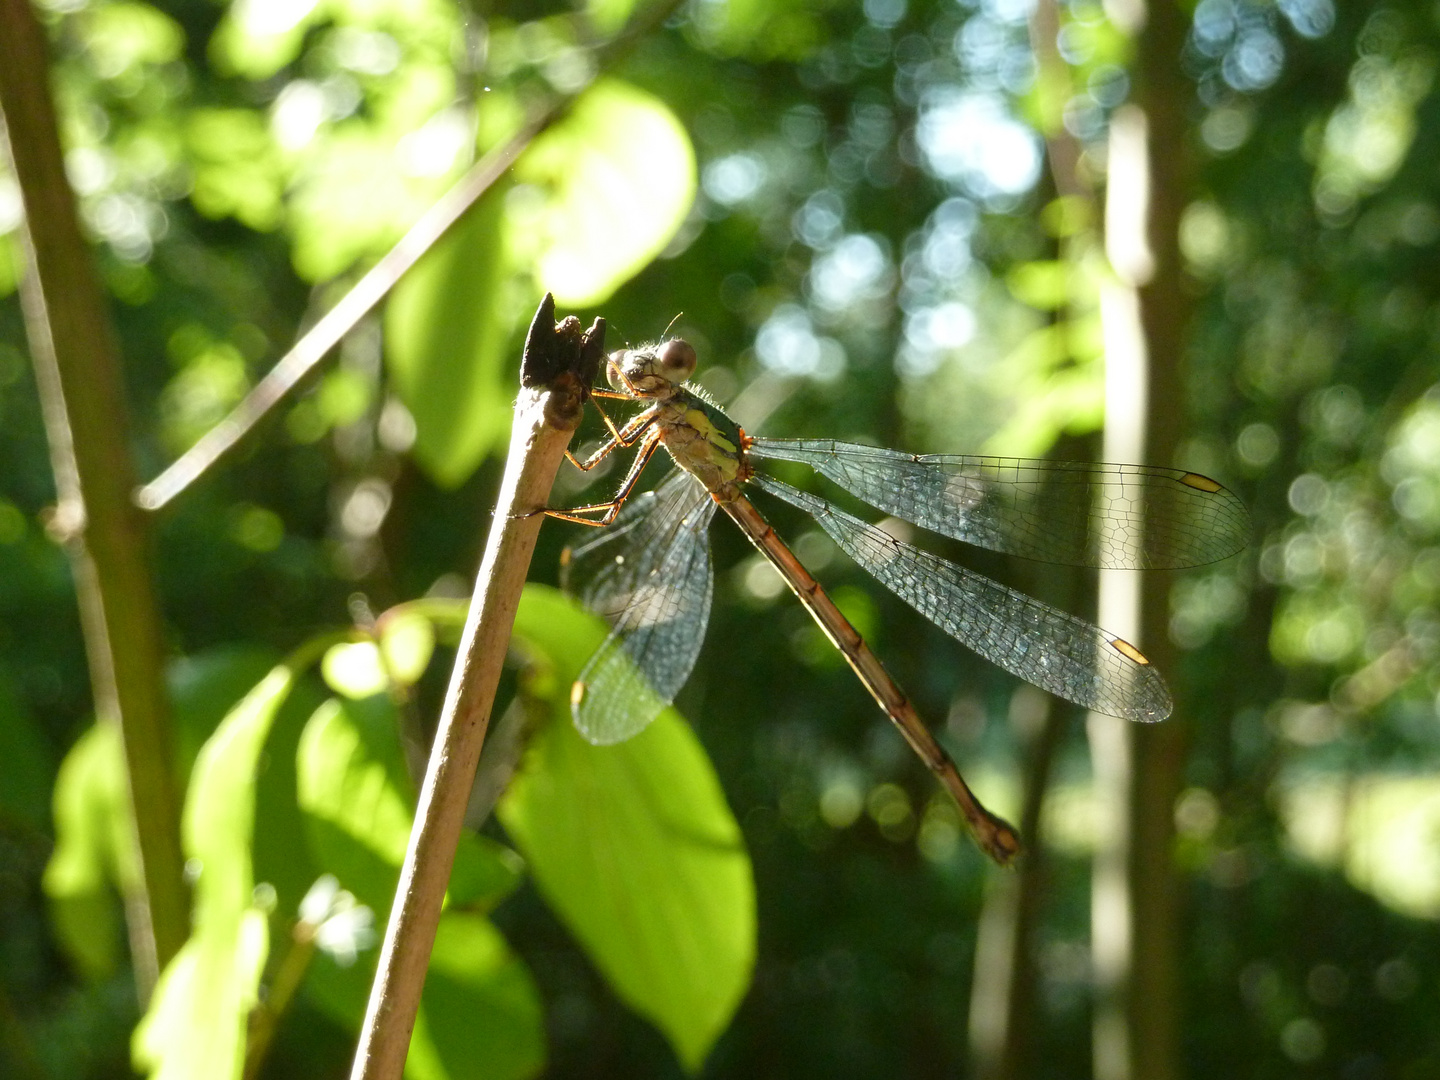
(546, 416)
(82, 399)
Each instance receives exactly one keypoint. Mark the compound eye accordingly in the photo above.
(677, 359)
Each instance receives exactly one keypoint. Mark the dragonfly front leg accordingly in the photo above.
(609, 510)
(625, 436)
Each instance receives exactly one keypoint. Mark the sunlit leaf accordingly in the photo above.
(635, 848)
(196, 1022)
(93, 851)
(616, 179)
(1043, 284)
(406, 642)
(204, 687)
(256, 38)
(356, 795)
(448, 327)
(359, 801)
(119, 36)
(236, 166)
(350, 201)
(355, 669)
(480, 1014)
(764, 29)
(609, 15)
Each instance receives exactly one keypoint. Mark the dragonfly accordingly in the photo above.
(649, 572)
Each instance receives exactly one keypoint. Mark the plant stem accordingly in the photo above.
(555, 378)
(82, 395)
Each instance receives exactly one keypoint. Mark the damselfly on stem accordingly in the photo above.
(649, 574)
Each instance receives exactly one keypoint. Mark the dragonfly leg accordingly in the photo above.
(624, 436)
(609, 510)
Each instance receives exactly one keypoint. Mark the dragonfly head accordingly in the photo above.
(652, 370)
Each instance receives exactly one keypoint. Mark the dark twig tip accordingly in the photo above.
(540, 362)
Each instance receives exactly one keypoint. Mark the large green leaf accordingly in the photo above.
(617, 177)
(94, 852)
(196, 1022)
(480, 1015)
(359, 801)
(204, 687)
(447, 330)
(635, 848)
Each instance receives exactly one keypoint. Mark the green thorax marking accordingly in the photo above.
(701, 438)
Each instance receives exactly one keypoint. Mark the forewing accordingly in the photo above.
(1076, 513)
(648, 574)
(1069, 657)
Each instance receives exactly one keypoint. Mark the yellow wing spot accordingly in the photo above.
(1199, 483)
(577, 693)
(1123, 647)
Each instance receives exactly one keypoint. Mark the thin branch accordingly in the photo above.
(265, 1019)
(341, 319)
(82, 395)
(312, 348)
(555, 377)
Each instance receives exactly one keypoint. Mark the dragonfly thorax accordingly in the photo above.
(651, 371)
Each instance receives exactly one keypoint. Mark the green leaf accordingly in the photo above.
(609, 15)
(480, 1014)
(618, 177)
(354, 668)
(356, 795)
(407, 640)
(121, 36)
(481, 1017)
(448, 327)
(236, 166)
(1044, 284)
(635, 848)
(196, 1022)
(257, 40)
(359, 803)
(762, 29)
(94, 852)
(204, 687)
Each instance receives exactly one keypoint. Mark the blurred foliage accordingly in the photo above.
(848, 209)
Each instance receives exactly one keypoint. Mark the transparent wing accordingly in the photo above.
(1077, 513)
(1069, 657)
(648, 574)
